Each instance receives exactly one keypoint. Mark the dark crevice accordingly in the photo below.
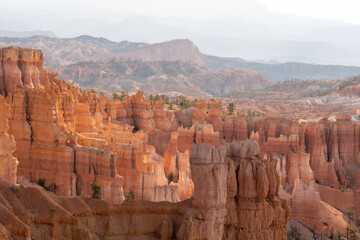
(135, 129)
(237, 182)
(26, 106)
(19, 64)
(3, 79)
(77, 182)
(328, 144)
(142, 187)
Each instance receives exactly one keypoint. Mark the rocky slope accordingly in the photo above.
(288, 70)
(85, 48)
(160, 77)
(290, 105)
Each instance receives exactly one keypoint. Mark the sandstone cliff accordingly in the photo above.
(66, 140)
(8, 163)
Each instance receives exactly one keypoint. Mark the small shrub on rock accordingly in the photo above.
(97, 189)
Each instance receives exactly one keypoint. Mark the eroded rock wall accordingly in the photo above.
(248, 207)
(8, 163)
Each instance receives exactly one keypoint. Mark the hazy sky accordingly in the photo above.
(343, 10)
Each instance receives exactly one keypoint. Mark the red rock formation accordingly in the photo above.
(42, 122)
(206, 219)
(298, 167)
(308, 209)
(233, 212)
(141, 167)
(235, 129)
(200, 110)
(300, 153)
(142, 114)
(121, 113)
(247, 208)
(334, 148)
(21, 68)
(32, 213)
(125, 109)
(8, 163)
(164, 120)
(177, 164)
(84, 121)
(305, 205)
(215, 117)
(20, 128)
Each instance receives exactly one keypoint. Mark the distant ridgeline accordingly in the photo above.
(64, 51)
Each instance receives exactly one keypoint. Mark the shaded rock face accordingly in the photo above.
(228, 203)
(256, 195)
(285, 143)
(248, 208)
(335, 149)
(305, 155)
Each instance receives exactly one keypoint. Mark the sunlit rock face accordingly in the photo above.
(21, 68)
(8, 163)
(67, 140)
(43, 116)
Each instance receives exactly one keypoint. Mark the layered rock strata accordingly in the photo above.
(215, 211)
(8, 163)
(66, 139)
